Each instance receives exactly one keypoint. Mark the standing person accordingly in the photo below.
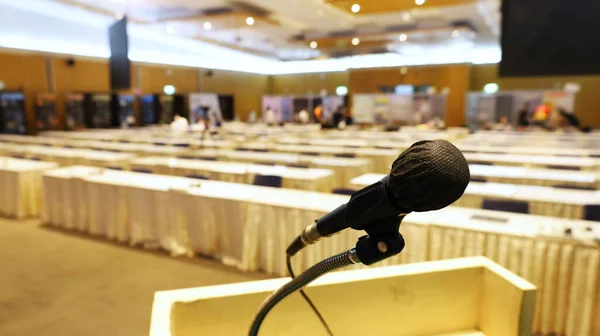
(523, 117)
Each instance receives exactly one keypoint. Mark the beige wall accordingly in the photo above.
(313, 83)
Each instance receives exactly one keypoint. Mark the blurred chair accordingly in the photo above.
(563, 167)
(478, 179)
(346, 155)
(268, 181)
(159, 144)
(184, 145)
(566, 186)
(309, 153)
(343, 191)
(114, 168)
(240, 149)
(260, 150)
(145, 171)
(186, 157)
(592, 212)
(506, 205)
(197, 176)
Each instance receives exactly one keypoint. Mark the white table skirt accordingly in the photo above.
(21, 187)
(245, 175)
(241, 226)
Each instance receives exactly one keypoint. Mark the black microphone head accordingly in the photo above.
(429, 175)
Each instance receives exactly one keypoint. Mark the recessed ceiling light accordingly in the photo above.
(249, 20)
(169, 29)
(355, 41)
(314, 44)
(355, 8)
(207, 25)
(419, 2)
(455, 33)
(403, 37)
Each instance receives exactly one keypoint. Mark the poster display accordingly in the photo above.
(272, 109)
(45, 113)
(125, 108)
(12, 112)
(485, 108)
(560, 100)
(148, 111)
(75, 115)
(100, 108)
(401, 108)
(363, 108)
(392, 108)
(204, 106)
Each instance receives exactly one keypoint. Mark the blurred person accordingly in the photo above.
(338, 117)
(252, 117)
(269, 117)
(523, 117)
(318, 112)
(502, 124)
(303, 116)
(179, 123)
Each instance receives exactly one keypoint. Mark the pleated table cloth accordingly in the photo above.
(21, 187)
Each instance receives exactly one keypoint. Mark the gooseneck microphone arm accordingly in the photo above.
(429, 175)
(383, 241)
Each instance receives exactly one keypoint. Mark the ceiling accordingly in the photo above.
(289, 29)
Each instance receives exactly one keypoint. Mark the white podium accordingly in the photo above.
(468, 296)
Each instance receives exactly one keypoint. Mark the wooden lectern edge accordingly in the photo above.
(163, 301)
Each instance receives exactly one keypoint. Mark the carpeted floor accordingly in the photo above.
(58, 284)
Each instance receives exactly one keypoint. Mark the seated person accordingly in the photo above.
(179, 123)
(502, 125)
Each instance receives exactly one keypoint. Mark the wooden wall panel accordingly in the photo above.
(86, 75)
(587, 102)
(153, 78)
(310, 83)
(246, 88)
(454, 77)
(24, 72)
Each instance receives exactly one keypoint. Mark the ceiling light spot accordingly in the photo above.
(207, 25)
(249, 20)
(403, 37)
(355, 8)
(314, 44)
(355, 41)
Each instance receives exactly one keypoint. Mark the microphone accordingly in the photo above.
(429, 175)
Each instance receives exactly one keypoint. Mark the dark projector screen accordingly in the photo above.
(120, 70)
(550, 37)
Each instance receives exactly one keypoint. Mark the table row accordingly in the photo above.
(250, 227)
(537, 200)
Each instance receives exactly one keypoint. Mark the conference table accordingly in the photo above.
(70, 156)
(21, 187)
(536, 176)
(519, 149)
(382, 159)
(344, 168)
(577, 163)
(313, 179)
(250, 227)
(547, 201)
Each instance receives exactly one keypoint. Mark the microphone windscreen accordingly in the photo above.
(429, 175)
